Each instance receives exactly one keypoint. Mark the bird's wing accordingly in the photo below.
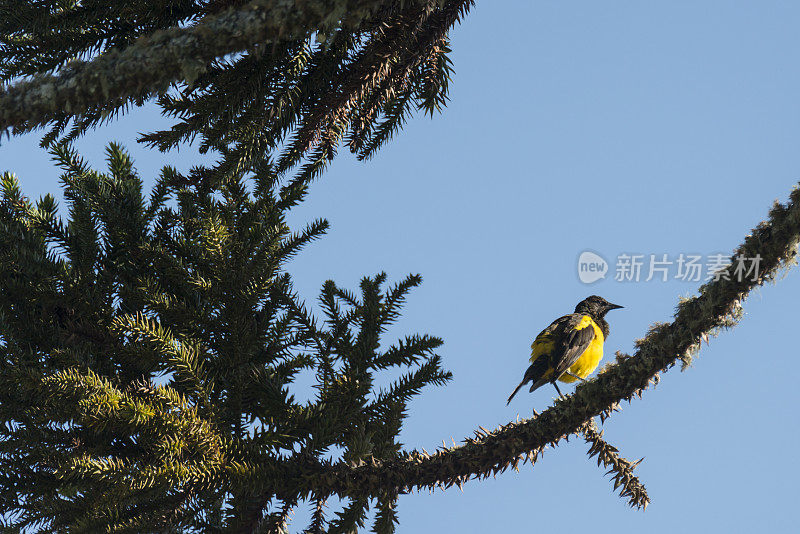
(577, 334)
(556, 348)
(545, 342)
(546, 350)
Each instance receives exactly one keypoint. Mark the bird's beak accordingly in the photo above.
(613, 307)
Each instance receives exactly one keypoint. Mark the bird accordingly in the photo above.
(571, 347)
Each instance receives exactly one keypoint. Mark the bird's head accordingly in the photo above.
(595, 306)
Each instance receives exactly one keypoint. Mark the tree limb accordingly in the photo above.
(148, 66)
(608, 456)
(717, 306)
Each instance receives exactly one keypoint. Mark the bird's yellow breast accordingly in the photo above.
(586, 363)
(590, 359)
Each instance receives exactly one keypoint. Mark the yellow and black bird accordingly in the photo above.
(571, 347)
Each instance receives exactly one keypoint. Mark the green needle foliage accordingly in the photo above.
(149, 350)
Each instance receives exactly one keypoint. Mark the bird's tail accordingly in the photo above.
(515, 391)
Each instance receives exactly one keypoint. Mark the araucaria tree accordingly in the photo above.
(150, 344)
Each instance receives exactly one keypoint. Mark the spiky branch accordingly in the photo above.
(716, 307)
(154, 61)
(608, 456)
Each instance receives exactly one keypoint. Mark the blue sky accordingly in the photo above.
(618, 127)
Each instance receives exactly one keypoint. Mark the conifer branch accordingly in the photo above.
(317, 517)
(378, 63)
(386, 515)
(149, 65)
(276, 522)
(716, 307)
(608, 456)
